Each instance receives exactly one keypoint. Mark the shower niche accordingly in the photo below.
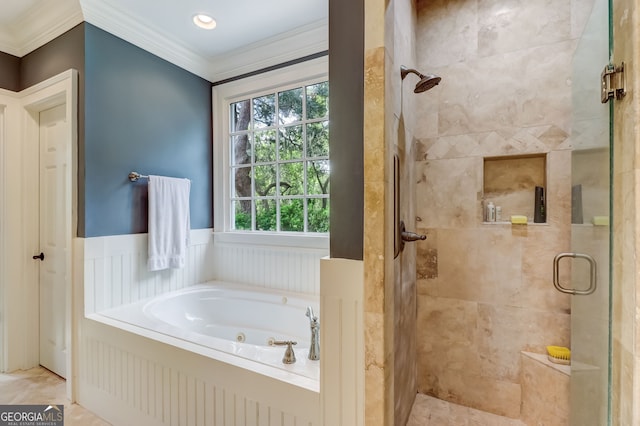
(510, 182)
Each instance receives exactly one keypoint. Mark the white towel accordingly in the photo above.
(169, 223)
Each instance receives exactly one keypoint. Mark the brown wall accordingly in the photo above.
(346, 72)
(9, 72)
(60, 54)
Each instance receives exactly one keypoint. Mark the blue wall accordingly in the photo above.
(144, 114)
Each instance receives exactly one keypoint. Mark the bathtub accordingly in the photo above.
(233, 323)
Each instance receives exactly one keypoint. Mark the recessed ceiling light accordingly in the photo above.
(204, 21)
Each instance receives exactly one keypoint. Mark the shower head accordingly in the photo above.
(426, 81)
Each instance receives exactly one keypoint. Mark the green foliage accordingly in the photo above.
(292, 215)
(242, 220)
(273, 130)
(318, 210)
(266, 215)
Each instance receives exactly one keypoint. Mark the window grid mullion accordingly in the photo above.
(277, 121)
(252, 126)
(278, 128)
(305, 226)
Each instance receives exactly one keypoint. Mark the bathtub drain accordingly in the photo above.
(240, 337)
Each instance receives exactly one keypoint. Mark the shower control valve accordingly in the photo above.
(412, 236)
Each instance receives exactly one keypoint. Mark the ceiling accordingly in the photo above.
(250, 34)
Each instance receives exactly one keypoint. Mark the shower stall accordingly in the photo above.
(519, 107)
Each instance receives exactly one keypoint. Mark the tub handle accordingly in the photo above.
(289, 354)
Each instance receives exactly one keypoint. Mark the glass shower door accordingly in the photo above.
(590, 230)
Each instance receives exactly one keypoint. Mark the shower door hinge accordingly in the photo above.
(613, 83)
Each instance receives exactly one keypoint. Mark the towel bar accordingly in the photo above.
(134, 176)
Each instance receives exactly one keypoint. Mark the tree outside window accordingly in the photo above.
(280, 161)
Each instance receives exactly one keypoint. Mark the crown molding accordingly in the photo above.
(123, 25)
(294, 44)
(50, 19)
(302, 41)
(39, 25)
(8, 44)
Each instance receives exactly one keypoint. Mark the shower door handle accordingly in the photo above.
(593, 271)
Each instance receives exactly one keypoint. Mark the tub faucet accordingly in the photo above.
(289, 354)
(314, 348)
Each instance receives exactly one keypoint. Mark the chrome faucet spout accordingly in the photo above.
(310, 314)
(314, 348)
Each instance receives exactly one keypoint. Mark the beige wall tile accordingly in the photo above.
(505, 331)
(519, 24)
(447, 192)
(481, 265)
(447, 32)
(545, 394)
(502, 93)
(537, 290)
(533, 88)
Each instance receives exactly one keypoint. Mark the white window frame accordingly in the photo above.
(223, 96)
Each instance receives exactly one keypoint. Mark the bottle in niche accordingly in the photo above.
(498, 214)
(540, 213)
(490, 215)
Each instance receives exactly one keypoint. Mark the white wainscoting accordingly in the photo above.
(272, 265)
(342, 342)
(115, 269)
(128, 379)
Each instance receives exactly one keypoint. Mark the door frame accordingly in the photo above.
(8, 114)
(21, 329)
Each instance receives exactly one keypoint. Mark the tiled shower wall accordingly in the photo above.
(485, 292)
(400, 23)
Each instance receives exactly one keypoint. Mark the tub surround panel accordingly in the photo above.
(342, 360)
(115, 270)
(152, 383)
(271, 266)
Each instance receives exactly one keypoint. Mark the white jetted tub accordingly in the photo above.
(237, 324)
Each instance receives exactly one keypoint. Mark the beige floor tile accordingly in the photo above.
(40, 386)
(429, 411)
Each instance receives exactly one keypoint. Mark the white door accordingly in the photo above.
(53, 273)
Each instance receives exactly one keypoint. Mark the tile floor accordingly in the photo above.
(429, 411)
(40, 386)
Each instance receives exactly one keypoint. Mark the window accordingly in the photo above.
(271, 157)
(276, 159)
(279, 144)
